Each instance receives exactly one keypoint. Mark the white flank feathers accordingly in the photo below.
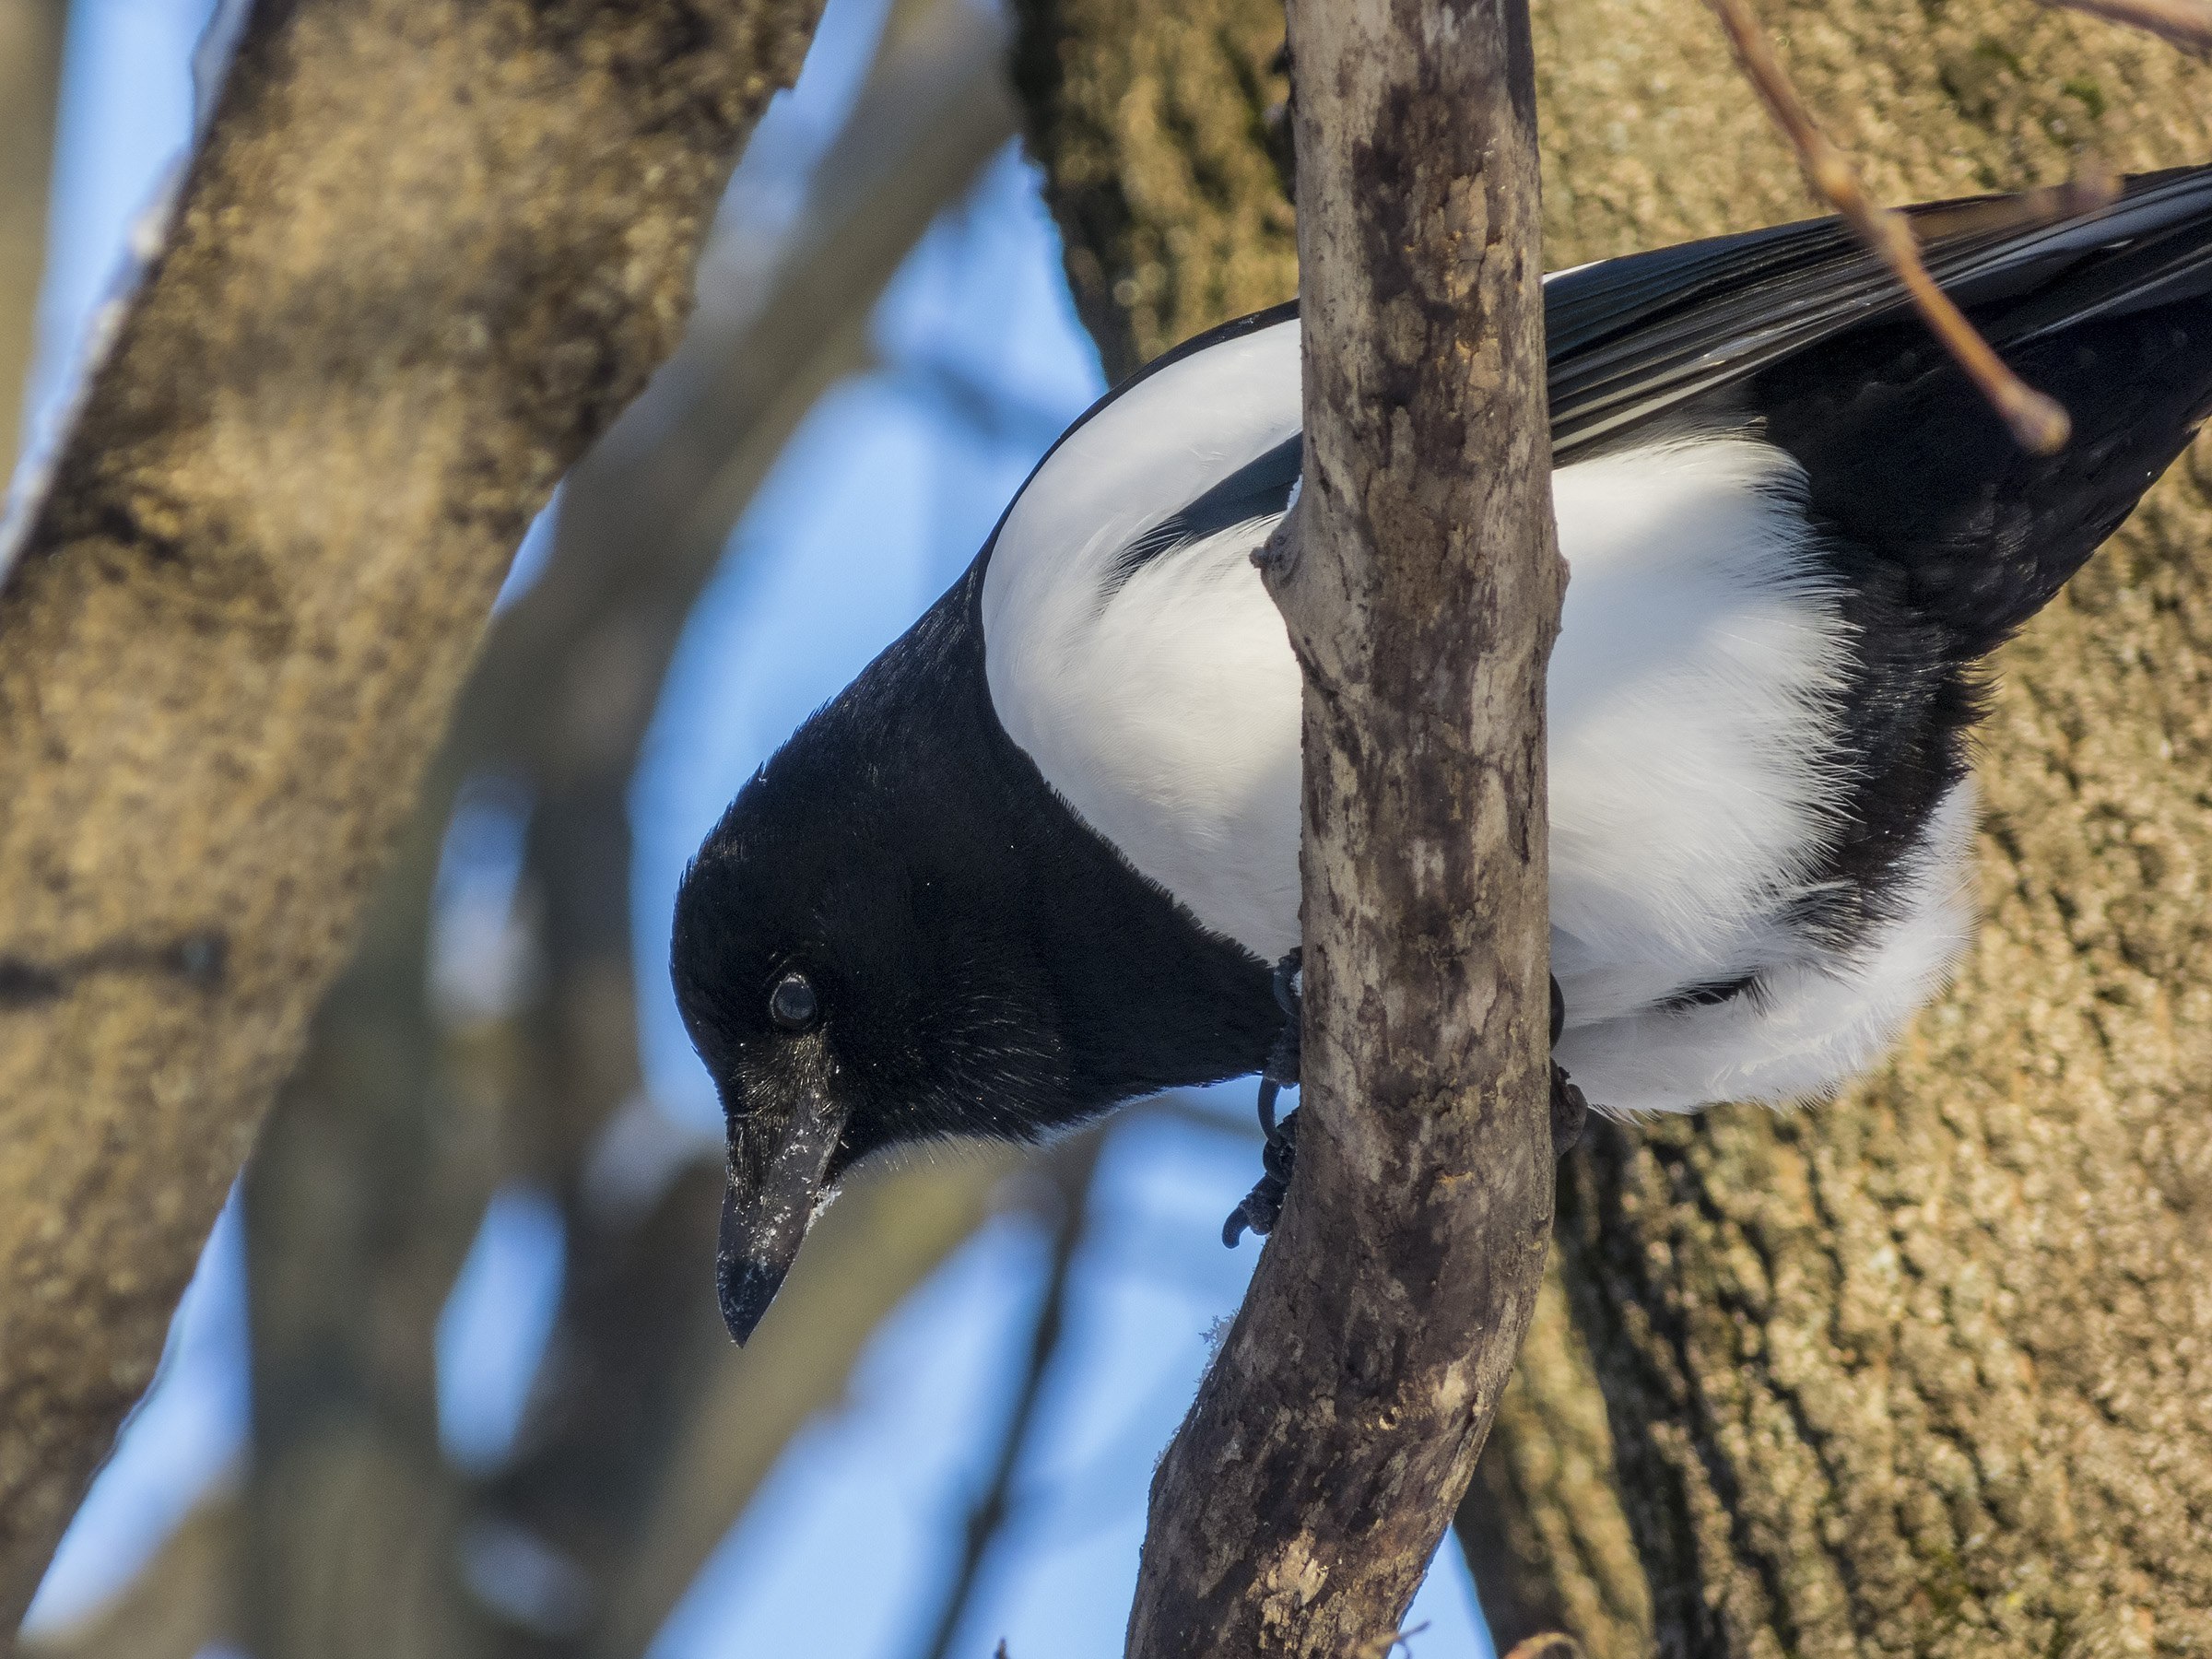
(1692, 701)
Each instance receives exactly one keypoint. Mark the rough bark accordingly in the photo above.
(30, 64)
(1925, 1371)
(1921, 1371)
(424, 256)
(1297, 1507)
(1543, 1528)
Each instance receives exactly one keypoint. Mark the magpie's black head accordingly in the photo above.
(898, 934)
(853, 982)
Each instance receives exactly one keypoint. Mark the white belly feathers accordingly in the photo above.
(1692, 730)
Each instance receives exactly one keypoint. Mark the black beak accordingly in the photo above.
(775, 1188)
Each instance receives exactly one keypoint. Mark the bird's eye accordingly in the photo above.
(792, 1003)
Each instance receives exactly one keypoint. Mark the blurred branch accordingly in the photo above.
(641, 528)
(1337, 1430)
(645, 515)
(878, 1243)
(181, 1604)
(1546, 1644)
(30, 72)
(2037, 422)
(369, 1184)
(360, 1203)
(368, 1187)
(1070, 1167)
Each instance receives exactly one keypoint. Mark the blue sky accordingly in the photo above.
(880, 500)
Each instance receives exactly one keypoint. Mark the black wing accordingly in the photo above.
(1634, 339)
(1799, 333)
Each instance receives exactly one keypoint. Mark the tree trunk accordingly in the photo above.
(427, 253)
(1922, 1371)
(1165, 135)
(1332, 1438)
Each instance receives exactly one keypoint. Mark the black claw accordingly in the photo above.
(1263, 1206)
(1270, 1091)
(1569, 1112)
(1569, 1106)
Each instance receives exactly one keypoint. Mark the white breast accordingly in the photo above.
(1693, 700)
(1167, 714)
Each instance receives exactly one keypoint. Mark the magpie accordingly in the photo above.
(1041, 856)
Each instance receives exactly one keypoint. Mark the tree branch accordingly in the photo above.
(425, 1123)
(181, 1604)
(1300, 1504)
(871, 1249)
(429, 250)
(2038, 422)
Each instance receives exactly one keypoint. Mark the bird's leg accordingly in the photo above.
(1263, 1206)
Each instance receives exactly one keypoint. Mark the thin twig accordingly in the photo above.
(2184, 23)
(2038, 422)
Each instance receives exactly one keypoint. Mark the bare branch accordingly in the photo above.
(561, 699)
(2184, 23)
(874, 1245)
(2038, 423)
(348, 1502)
(677, 470)
(183, 1602)
(1302, 1499)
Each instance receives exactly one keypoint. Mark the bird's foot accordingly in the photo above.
(1263, 1206)
(1569, 1106)
(1569, 1112)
